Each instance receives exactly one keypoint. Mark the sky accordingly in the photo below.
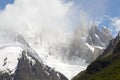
(102, 12)
(4, 2)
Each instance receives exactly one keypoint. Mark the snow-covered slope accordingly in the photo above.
(15, 56)
(8, 58)
(10, 53)
(68, 70)
(46, 52)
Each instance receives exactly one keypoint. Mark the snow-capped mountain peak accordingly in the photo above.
(20, 62)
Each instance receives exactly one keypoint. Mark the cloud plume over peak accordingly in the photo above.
(36, 15)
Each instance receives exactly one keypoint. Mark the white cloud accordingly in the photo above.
(37, 15)
(52, 16)
(116, 24)
(39, 12)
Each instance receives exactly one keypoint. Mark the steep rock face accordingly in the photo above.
(94, 36)
(99, 38)
(5, 76)
(89, 47)
(29, 70)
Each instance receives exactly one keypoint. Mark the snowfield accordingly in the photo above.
(9, 58)
(66, 69)
(10, 53)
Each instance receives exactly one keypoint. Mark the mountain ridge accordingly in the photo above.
(106, 64)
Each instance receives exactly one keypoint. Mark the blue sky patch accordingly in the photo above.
(3, 3)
